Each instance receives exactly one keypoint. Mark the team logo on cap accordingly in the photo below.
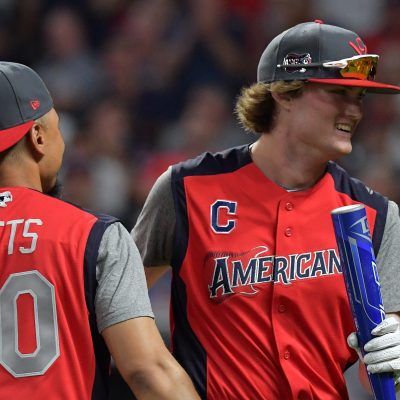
(5, 197)
(359, 46)
(35, 104)
(297, 59)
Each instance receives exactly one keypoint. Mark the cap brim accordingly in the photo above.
(371, 86)
(10, 136)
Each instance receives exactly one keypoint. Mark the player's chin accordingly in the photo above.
(346, 148)
(343, 142)
(341, 149)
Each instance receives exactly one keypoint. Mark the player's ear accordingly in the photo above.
(36, 139)
(283, 99)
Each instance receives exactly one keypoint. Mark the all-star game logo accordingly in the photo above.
(235, 273)
(229, 274)
(296, 59)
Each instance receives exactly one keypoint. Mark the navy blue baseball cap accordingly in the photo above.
(23, 98)
(318, 52)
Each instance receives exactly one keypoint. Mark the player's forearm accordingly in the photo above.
(163, 382)
(145, 363)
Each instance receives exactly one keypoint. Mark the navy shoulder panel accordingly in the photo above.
(213, 163)
(358, 191)
(91, 254)
(100, 384)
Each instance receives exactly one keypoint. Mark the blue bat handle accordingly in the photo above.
(362, 283)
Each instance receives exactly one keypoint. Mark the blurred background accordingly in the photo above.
(142, 84)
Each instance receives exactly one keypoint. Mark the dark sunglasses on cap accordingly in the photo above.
(357, 67)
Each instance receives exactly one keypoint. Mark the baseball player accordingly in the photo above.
(72, 286)
(259, 306)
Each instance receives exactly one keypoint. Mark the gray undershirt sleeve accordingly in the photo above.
(155, 228)
(122, 290)
(388, 260)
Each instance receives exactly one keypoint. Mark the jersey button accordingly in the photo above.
(288, 232)
(289, 206)
(303, 396)
(286, 355)
(282, 308)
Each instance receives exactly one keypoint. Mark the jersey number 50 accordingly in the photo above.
(44, 305)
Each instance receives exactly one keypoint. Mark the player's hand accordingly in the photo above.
(382, 353)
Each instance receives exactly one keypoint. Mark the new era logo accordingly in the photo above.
(35, 104)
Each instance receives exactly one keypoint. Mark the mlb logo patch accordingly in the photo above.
(5, 197)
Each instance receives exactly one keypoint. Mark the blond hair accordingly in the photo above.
(255, 106)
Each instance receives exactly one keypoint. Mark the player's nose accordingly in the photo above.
(353, 108)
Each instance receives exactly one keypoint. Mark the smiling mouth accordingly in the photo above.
(344, 127)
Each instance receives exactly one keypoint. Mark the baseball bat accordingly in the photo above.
(362, 283)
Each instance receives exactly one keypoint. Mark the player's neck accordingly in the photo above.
(14, 176)
(289, 171)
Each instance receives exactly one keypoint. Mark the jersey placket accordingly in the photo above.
(284, 292)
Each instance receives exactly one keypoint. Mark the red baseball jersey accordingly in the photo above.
(259, 307)
(50, 346)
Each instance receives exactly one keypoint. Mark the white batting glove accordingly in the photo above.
(382, 353)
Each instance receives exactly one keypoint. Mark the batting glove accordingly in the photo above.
(382, 353)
